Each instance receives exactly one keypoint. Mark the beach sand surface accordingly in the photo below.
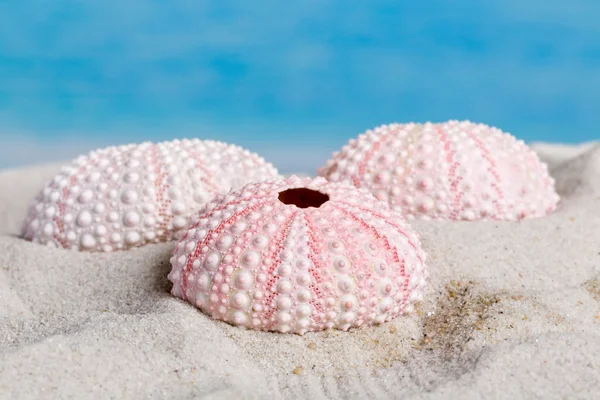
(511, 310)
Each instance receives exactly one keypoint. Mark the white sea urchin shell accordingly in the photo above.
(299, 255)
(126, 196)
(452, 170)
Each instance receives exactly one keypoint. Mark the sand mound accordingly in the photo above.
(512, 310)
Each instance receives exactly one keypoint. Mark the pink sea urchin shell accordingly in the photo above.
(127, 196)
(452, 170)
(299, 255)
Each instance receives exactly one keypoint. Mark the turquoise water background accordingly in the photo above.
(291, 80)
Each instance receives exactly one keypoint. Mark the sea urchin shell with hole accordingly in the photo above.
(299, 255)
(453, 170)
(127, 196)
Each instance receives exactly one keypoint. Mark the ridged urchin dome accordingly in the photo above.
(127, 196)
(451, 170)
(299, 255)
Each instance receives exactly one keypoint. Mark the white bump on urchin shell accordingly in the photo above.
(455, 170)
(127, 196)
(254, 261)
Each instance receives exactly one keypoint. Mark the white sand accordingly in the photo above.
(512, 311)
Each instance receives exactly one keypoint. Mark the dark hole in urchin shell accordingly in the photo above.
(303, 197)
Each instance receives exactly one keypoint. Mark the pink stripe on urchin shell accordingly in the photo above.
(127, 196)
(253, 261)
(450, 170)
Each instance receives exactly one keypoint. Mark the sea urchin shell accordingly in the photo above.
(299, 255)
(452, 170)
(127, 196)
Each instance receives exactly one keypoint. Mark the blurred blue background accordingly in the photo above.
(291, 80)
